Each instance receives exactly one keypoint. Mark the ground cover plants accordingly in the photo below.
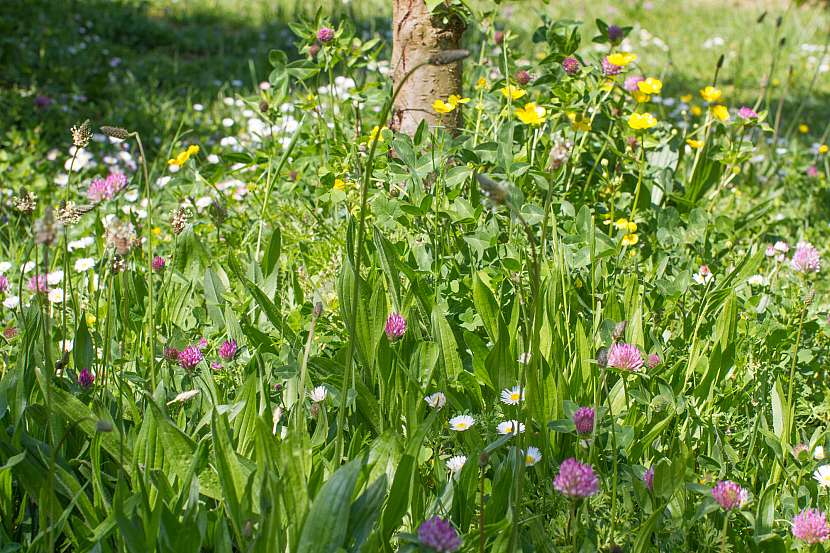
(585, 309)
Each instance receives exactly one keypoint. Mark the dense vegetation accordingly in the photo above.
(593, 318)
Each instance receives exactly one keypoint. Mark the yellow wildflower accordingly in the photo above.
(376, 133)
(192, 150)
(442, 107)
(481, 83)
(531, 114)
(696, 111)
(710, 94)
(803, 128)
(579, 122)
(339, 184)
(720, 112)
(455, 99)
(156, 231)
(621, 223)
(640, 121)
(650, 86)
(641, 97)
(90, 319)
(823, 149)
(512, 92)
(695, 144)
(622, 59)
(630, 239)
(686, 98)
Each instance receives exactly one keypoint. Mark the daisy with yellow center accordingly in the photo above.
(650, 86)
(531, 114)
(641, 121)
(710, 94)
(694, 144)
(822, 476)
(461, 423)
(622, 59)
(720, 112)
(512, 396)
(481, 83)
(532, 456)
(512, 92)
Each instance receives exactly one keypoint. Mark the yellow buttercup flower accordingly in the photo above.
(621, 223)
(339, 184)
(192, 150)
(512, 92)
(90, 319)
(156, 231)
(622, 59)
(531, 114)
(696, 144)
(686, 98)
(455, 99)
(641, 97)
(440, 106)
(803, 129)
(630, 239)
(624, 224)
(579, 122)
(710, 94)
(641, 121)
(184, 155)
(696, 111)
(720, 112)
(650, 86)
(823, 149)
(481, 83)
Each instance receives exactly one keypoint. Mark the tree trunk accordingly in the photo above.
(416, 35)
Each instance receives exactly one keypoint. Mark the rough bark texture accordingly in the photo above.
(417, 35)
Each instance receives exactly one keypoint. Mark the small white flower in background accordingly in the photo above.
(822, 476)
(757, 280)
(512, 396)
(4, 267)
(84, 264)
(81, 243)
(54, 277)
(203, 202)
(247, 113)
(227, 122)
(509, 427)
(28, 266)
(68, 345)
(436, 400)
(11, 302)
(276, 415)
(818, 453)
(227, 101)
(318, 394)
(213, 159)
(532, 456)
(56, 295)
(264, 85)
(461, 423)
(62, 179)
(198, 107)
(228, 141)
(131, 195)
(184, 396)
(455, 464)
(703, 275)
(53, 154)
(524, 358)
(173, 168)
(161, 182)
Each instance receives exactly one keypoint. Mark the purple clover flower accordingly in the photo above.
(439, 535)
(395, 326)
(631, 83)
(615, 34)
(730, 495)
(810, 526)
(4, 283)
(575, 479)
(625, 357)
(158, 263)
(325, 34)
(571, 65)
(609, 69)
(584, 420)
(171, 354)
(38, 283)
(85, 378)
(105, 189)
(812, 171)
(806, 258)
(189, 357)
(653, 360)
(746, 113)
(227, 350)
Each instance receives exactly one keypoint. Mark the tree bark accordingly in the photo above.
(416, 35)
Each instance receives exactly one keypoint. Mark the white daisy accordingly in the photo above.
(213, 159)
(4, 267)
(508, 427)
(54, 277)
(11, 302)
(512, 396)
(436, 400)
(227, 122)
(461, 423)
(532, 456)
(456, 463)
(757, 280)
(84, 264)
(56, 295)
(822, 476)
(318, 394)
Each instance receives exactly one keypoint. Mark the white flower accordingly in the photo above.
(455, 464)
(318, 394)
(781, 246)
(56, 295)
(822, 476)
(512, 396)
(227, 101)
(184, 396)
(84, 264)
(68, 345)
(28, 266)
(703, 275)
(198, 107)
(757, 280)
(532, 456)
(161, 182)
(4, 267)
(436, 400)
(55, 277)
(213, 159)
(81, 243)
(203, 202)
(818, 453)
(173, 168)
(227, 122)
(461, 423)
(11, 302)
(508, 427)
(131, 195)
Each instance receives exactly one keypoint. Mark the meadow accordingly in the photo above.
(241, 313)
